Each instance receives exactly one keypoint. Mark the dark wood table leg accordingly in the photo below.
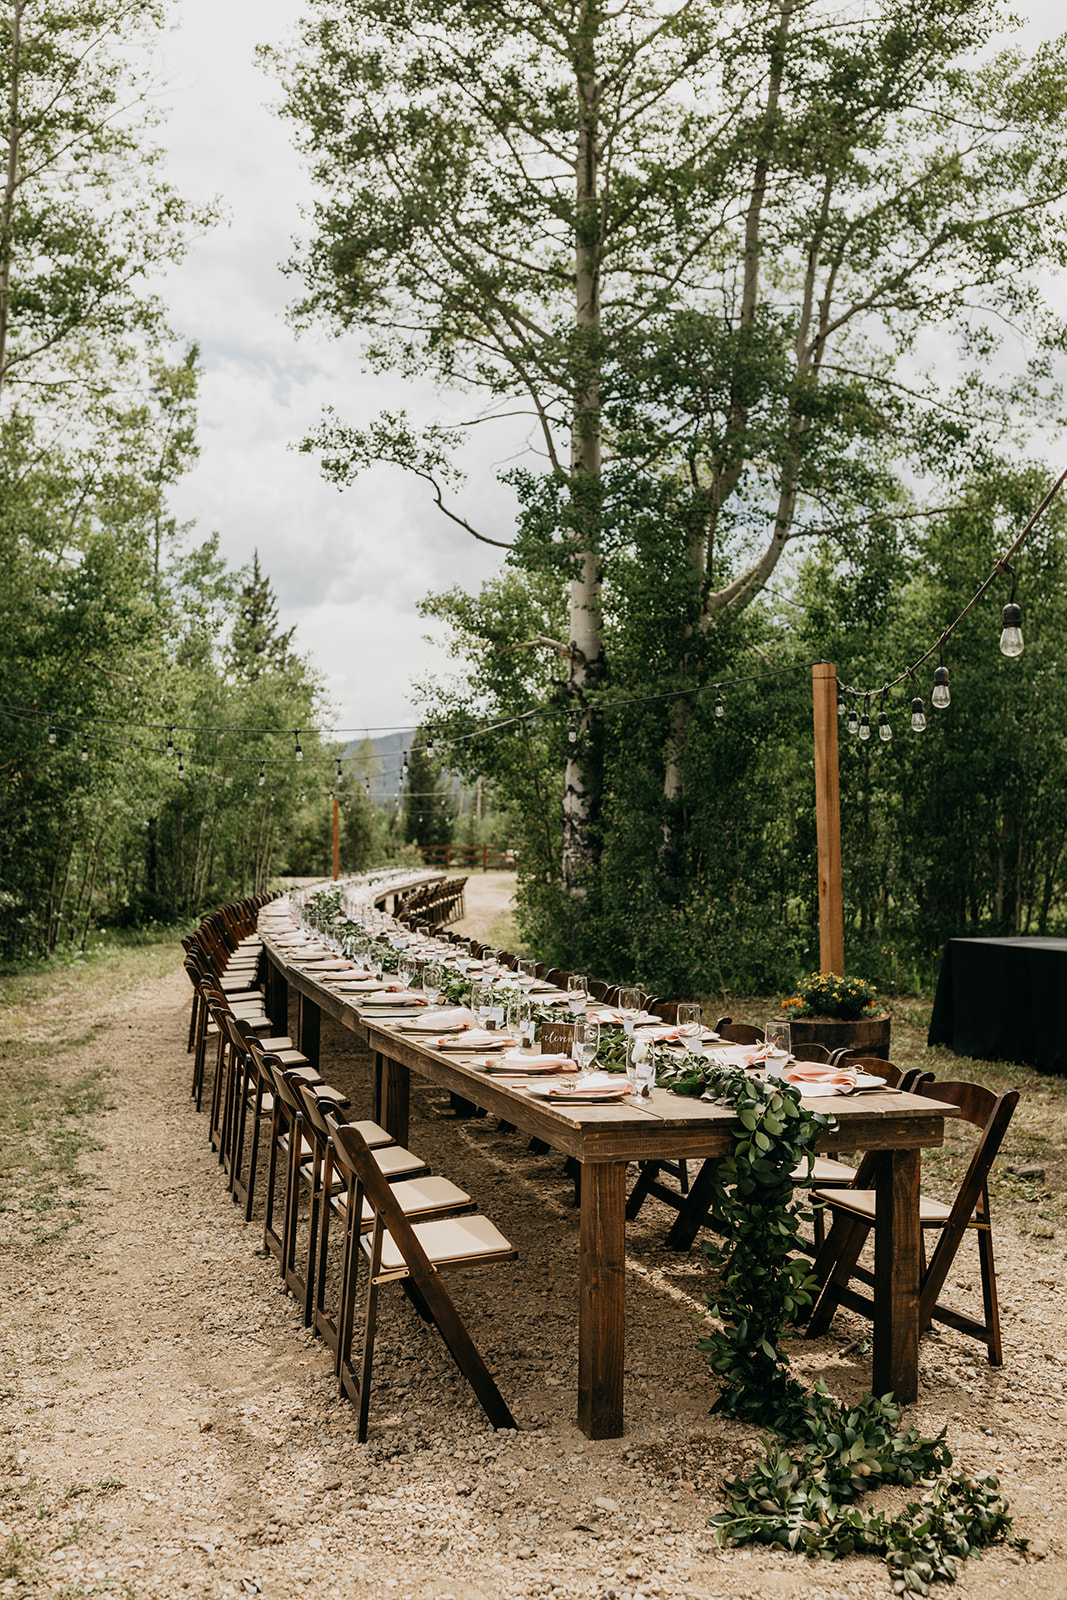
(277, 999)
(308, 1020)
(394, 1099)
(601, 1299)
(895, 1356)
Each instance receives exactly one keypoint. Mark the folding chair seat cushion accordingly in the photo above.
(861, 1203)
(448, 1242)
(417, 1197)
(825, 1171)
(395, 1162)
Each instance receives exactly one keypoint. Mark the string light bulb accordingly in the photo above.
(853, 719)
(181, 765)
(337, 762)
(720, 708)
(404, 766)
(885, 732)
(298, 751)
(865, 720)
(840, 701)
(170, 741)
(940, 696)
(572, 728)
(85, 747)
(1011, 624)
(51, 730)
(262, 773)
(918, 715)
(429, 745)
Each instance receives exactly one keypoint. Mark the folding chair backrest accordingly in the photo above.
(739, 1032)
(985, 1110)
(811, 1052)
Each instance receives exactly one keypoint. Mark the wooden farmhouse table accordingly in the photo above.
(666, 1127)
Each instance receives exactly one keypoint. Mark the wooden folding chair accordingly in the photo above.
(297, 1155)
(739, 1032)
(396, 1249)
(826, 1173)
(854, 1216)
(423, 1196)
(248, 1093)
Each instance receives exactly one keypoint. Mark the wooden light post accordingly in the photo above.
(337, 838)
(828, 818)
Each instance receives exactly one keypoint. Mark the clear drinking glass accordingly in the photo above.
(482, 1002)
(521, 1020)
(689, 1026)
(527, 969)
(577, 993)
(586, 1042)
(431, 982)
(640, 1066)
(629, 1006)
(779, 1044)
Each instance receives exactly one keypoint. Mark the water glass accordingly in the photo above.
(640, 1066)
(586, 1041)
(577, 993)
(689, 1027)
(527, 968)
(521, 1020)
(779, 1044)
(432, 980)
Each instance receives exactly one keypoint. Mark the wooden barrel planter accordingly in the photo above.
(868, 1036)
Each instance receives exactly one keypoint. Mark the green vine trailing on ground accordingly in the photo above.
(803, 1492)
(804, 1496)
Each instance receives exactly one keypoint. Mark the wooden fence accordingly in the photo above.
(470, 856)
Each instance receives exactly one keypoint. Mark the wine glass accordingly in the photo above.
(577, 993)
(629, 1006)
(640, 1066)
(586, 1042)
(779, 1044)
(689, 1028)
(405, 967)
(432, 978)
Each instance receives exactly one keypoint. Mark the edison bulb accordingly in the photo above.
(1011, 638)
(941, 697)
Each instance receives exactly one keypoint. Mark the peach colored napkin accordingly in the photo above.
(816, 1078)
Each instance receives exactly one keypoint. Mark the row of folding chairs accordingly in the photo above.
(346, 1210)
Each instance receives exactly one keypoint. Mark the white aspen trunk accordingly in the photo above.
(699, 547)
(11, 180)
(581, 785)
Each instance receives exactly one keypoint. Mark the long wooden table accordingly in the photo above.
(667, 1127)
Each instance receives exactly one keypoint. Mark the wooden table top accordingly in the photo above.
(665, 1126)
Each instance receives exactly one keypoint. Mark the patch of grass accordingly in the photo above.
(16, 1554)
(45, 1116)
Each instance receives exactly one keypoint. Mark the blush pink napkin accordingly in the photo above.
(841, 1079)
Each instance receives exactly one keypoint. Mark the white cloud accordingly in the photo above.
(348, 568)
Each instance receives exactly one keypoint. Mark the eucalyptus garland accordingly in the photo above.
(802, 1494)
(803, 1497)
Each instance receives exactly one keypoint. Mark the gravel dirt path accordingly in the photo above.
(169, 1428)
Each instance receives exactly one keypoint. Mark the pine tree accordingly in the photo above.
(427, 803)
(257, 644)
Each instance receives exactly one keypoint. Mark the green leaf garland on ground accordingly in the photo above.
(804, 1496)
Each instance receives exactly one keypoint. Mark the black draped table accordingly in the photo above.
(1002, 999)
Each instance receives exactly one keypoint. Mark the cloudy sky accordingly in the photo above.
(348, 567)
